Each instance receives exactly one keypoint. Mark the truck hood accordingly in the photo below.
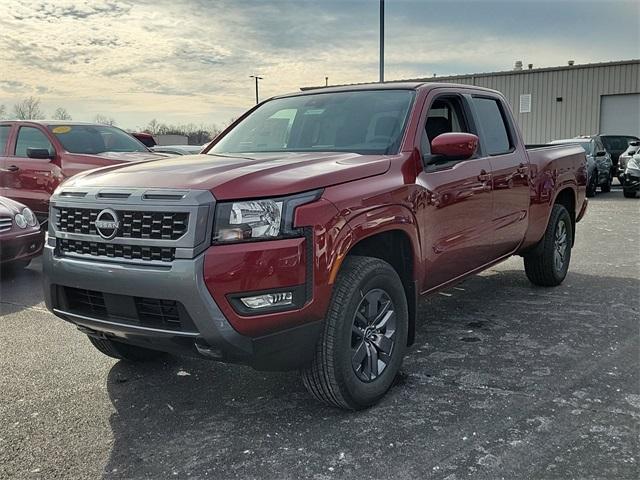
(233, 177)
(122, 156)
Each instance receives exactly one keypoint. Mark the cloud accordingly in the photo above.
(191, 60)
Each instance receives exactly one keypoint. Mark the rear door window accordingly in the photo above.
(31, 137)
(4, 135)
(493, 126)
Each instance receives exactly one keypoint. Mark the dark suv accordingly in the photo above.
(616, 146)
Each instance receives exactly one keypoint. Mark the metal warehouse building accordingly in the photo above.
(562, 102)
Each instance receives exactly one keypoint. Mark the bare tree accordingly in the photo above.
(3, 112)
(28, 109)
(152, 127)
(61, 114)
(104, 120)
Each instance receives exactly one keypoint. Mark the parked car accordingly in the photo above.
(308, 230)
(35, 157)
(631, 182)
(145, 138)
(178, 149)
(21, 237)
(598, 163)
(616, 145)
(632, 149)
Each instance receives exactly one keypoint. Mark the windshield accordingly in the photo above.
(617, 142)
(366, 122)
(95, 139)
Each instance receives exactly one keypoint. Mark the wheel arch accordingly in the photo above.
(390, 234)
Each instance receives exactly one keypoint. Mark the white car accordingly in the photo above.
(623, 159)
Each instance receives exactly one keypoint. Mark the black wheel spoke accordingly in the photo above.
(373, 361)
(373, 299)
(383, 344)
(359, 356)
(359, 332)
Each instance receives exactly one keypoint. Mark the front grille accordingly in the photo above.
(137, 311)
(86, 301)
(151, 310)
(5, 224)
(111, 250)
(134, 224)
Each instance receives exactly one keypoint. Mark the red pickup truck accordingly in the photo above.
(305, 234)
(35, 157)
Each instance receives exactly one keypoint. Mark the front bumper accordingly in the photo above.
(21, 247)
(631, 183)
(211, 335)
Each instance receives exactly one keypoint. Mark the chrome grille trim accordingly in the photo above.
(176, 221)
(5, 224)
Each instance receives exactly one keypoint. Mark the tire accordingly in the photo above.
(341, 372)
(123, 351)
(15, 266)
(629, 193)
(606, 187)
(541, 265)
(592, 185)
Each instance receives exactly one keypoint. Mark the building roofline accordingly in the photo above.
(500, 73)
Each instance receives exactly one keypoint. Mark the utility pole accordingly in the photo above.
(257, 78)
(381, 41)
(326, 81)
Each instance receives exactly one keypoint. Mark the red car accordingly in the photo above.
(21, 237)
(305, 235)
(36, 156)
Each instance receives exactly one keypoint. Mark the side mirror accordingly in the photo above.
(601, 153)
(41, 153)
(457, 146)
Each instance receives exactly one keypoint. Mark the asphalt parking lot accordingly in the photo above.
(506, 380)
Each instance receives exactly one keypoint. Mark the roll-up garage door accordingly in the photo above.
(620, 114)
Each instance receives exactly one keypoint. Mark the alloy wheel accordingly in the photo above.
(560, 246)
(373, 334)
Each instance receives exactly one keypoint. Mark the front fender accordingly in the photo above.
(375, 221)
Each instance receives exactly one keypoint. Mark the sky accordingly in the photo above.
(189, 61)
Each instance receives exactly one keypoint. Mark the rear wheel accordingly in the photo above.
(547, 264)
(593, 184)
(364, 339)
(123, 351)
(606, 187)
(629, 193)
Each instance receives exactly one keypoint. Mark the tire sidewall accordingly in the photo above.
(368, 393)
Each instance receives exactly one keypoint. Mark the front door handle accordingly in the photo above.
(12, 168)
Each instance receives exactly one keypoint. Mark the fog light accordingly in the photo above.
(268, 300)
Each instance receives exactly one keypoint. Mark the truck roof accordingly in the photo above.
(384, 86)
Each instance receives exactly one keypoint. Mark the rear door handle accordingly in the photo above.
(484, 176)
(12, 168)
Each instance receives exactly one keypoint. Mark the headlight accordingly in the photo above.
(30, 217)
(20, 220)
(250, 220)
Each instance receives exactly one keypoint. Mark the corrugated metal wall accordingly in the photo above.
(580, 88)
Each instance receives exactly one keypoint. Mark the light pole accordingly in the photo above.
(326, 81)
(257, 78)
(381, 41)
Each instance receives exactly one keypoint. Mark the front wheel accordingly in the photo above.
(547, 264)
(629, 193)
(364, 338)
(606, 187)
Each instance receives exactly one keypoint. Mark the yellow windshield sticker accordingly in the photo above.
(61, 129)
